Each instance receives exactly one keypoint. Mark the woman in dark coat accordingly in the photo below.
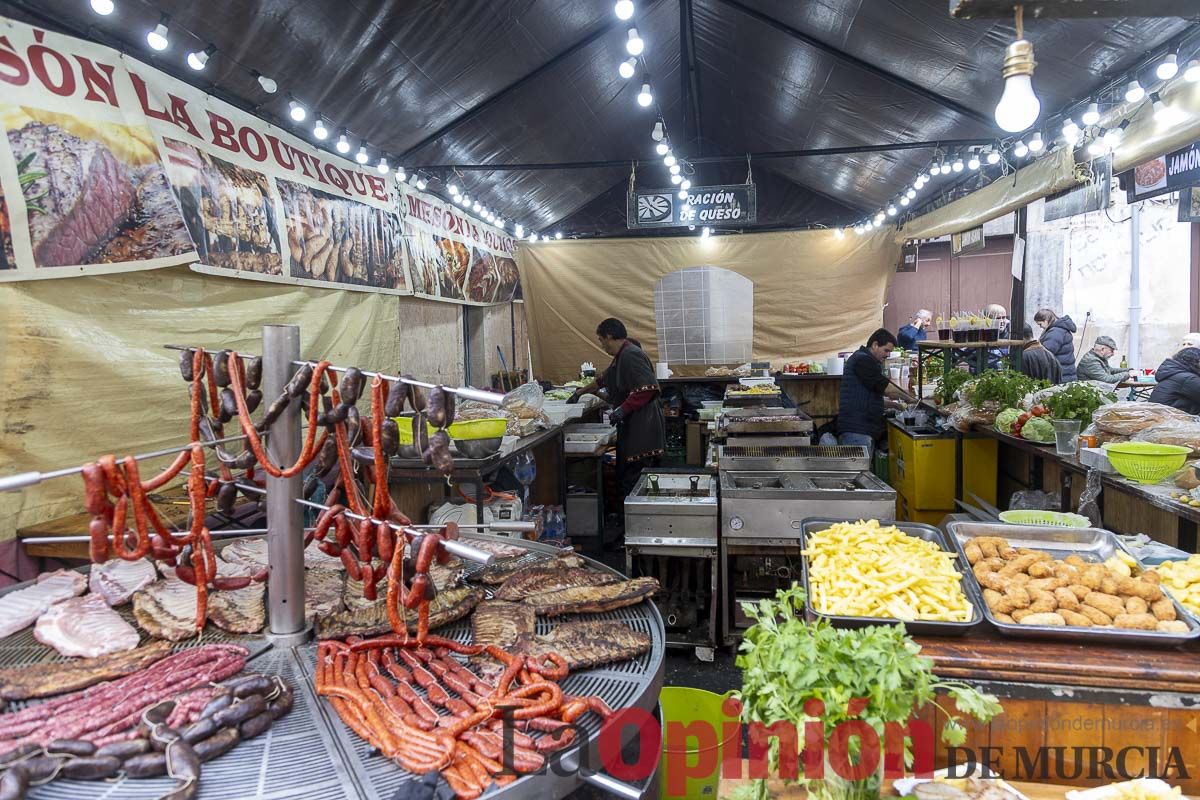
(1179, 381)
(1059, 339)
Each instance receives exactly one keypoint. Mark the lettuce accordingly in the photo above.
(1006, 420)
(1038, 429)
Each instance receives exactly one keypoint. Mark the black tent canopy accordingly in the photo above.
(443, 82)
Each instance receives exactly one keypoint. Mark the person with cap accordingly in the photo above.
(1190, 340)
(908, 335)
(1094, 364)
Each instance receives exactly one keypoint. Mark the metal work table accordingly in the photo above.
(476, 471)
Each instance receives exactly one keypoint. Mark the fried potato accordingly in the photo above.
(1136, 605)
(1019, 564)
(1066, 600)
(1041, 570)
(993, 581)
(973, 552)
(1041, 601)
(1097, 616)
(1140, 622)
(1163, 610)
(1044, 618)
(1107, 603)
(1074, 618)
(1019, 596)
(1092, 576)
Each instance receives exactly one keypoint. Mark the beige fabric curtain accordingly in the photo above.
(814, 293)
(83, 371)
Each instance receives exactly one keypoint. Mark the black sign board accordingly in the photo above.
(1091, 196)
(1164, 174)
(704, 206)
(908, 258)
(968, 240)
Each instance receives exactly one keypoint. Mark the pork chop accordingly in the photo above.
(117, 579)
(20, 608)
(85, 627)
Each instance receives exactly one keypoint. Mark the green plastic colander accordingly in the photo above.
(1145, 462)
(1049, 519)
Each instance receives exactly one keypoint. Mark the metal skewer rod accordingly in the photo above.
(455, 548)
(491, 398)
(23, 479)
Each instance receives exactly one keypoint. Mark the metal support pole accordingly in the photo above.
(285, 538)
(1133, 349)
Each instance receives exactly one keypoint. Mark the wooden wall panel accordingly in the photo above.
(944, 284)
(431, 340)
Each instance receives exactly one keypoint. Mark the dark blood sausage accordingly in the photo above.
(240, 712)
(228, 409)
(255, 726)
(41, 769)
(437, 407)
(199, 730)
(397, 394)
(390, 437)
(218, 744)
(352, 385)
(253, 399)
(226, 497)
(18, 752)
(252, 684)
(283, 703)
(439, 453)
(221, 701)
(221, 368)
(298, 385)
(162, 736)
(182, 761)
(91, 769)
(254, 373)
(124, 750)
(185, 365)
(159, 713)
(420, 433)
(71, 747)
(13, 783)
(416, 397)
(149, 765)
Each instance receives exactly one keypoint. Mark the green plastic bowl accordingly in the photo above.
(1049, 519)
(1146, 462)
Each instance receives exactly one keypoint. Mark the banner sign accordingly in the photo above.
(966, 241)
(1162, 175)
(733, 204)
(1091, 196)
(108, 165)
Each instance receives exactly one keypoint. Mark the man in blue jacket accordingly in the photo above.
(862, 402)
(914, 331)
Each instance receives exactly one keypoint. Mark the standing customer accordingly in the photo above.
(1037, 362)
(861, 403)
(1059, 338)
(914, 331)
(634, 394)
(1179, 381)
(1094, 364)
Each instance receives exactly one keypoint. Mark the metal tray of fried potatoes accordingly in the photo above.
(1091, 544)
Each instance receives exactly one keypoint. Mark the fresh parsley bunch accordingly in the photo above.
(1074, 401)
(1004, 387)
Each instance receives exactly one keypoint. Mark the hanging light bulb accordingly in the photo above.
(910, 194)
(880, 217)
(401, 175)
(361, 155)
(669, 160)
(676, 179)
(957, 166)
(891, 211)
(1167, 68)
(634, 45)
(682, 194)
(297, 112)
(947, 169)
(1134, 92)
(1020, 150)
(1163, 113)
(1097, 148)
(382, 166)
(658, 133)
(1092, 115)
(675, 168)
(319, 130)
(500, 223)
(706, 232)
(859, 229)
(533, 237)
(1070, 130)
(973, 161)
(623, 9)
(685, 185)
(157, 38)
(904, 200)
(1019, 106)
(545, 238)
(102, 7)
(662, 148)
(476, 207)
(558, 234)
(644, 97)
(490, 217)
(993, 156)
(463, 200)
(268, 84)
(199, 58)
(414, 178)
(453, 189)
(627, 68)
(343, 144)
(519, 230)
(1191, 73)
(1113, 138)
(1036, 145)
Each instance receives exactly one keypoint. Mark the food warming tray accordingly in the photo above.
(765, 421)
(921, 627)
(787, 453)
(1091, 544)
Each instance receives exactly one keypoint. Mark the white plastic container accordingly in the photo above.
(834, 365)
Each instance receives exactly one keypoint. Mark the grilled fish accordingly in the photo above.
(117, 579)
(587, 644)
(23, 683)
(85, 626)
(500, 571)
(592, 599)
(21, 608)
(551, 579)
(369, 620)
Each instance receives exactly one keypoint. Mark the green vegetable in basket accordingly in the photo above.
(1006, 420)
(1038, 429)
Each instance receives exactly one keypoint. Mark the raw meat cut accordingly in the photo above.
(23, 683)
(592, 599)
(21, 608)
(587, 644)
(87, 194)
(551, 579)
(251, 552)
(117, 579)
(85, 627)
(166, 609)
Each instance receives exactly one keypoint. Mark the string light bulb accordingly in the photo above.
(1036, 145)
(268, 84)
(558, 234)
(297, 112)
(904, 200)
(1019, 106)
(414, 178)
(103, 7)
(682, 195)
(669, 160)
(1113, 138)
(859, 229)
(658, 133)
(1134, 92)
(199, 58)
(973, 162)
(634, 44)
(400, 174)
(623, 9)
(519, 230)
(645, 98)
(453, 189)
(320, 132)
(157, 38)
(947, 169)
(911, 193)
(1020, 150)
(627, 68)
(891, 211)
(957, 166)
(675, 168)
(993, 156)
(1096, 148)
(662, 148)
(1167, 68)
(343, 144)
(676, 179)
(533, 237)
(685, 184)
(382, 166)
(1092, 115)
(361, 155)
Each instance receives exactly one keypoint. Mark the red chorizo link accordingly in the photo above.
(415, 596)
(429, 546)
(385, 541)
(368, 579)
(364, 539)
(311, 445)
(321, 529)
(98, 533)
(351, 565)
(329, 548)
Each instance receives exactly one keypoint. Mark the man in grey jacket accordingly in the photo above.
(1094, 364)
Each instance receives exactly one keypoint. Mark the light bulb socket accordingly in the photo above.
(1018, 59)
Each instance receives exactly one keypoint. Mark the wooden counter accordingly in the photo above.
(1126, 507)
